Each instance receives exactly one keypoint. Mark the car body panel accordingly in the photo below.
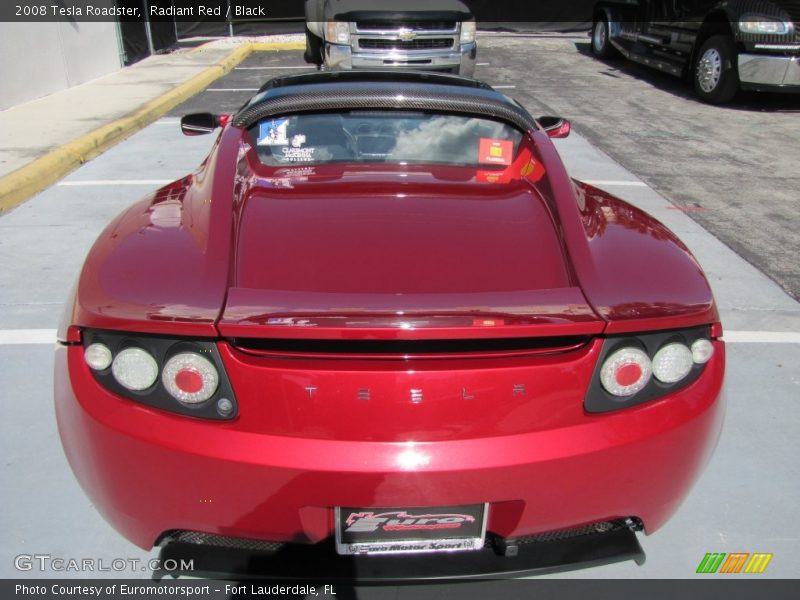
(394, 335)
(228, 480)
(403, 239)
(125, 280)
(163, 263)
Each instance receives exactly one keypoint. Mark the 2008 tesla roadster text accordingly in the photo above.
(380, 318)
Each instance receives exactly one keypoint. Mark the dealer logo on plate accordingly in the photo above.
(403, 521)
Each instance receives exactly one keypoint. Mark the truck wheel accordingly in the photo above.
(313, 53)
(715, 74)
(601, 44)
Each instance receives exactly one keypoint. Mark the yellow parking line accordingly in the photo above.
(19, 185)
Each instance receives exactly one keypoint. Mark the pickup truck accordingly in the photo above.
(723, 46)
(437, 35)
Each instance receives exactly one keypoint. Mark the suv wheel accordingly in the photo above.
(601, 45)
(715, 74)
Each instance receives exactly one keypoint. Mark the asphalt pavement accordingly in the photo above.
(744, 502)
(733, 168)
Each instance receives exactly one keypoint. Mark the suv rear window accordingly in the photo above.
(389, 137)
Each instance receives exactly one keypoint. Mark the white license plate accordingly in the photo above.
(398, 530)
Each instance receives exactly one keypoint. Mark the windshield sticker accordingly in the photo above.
(301, 173)
(488, 322)
(298, 140)
(298, 154)
(533, 170)
(273, 132)
(488, 176)
(495, 152)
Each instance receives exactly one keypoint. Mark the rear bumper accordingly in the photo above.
(760, 70)
(339, 56)
(321, 563)
(150, 472)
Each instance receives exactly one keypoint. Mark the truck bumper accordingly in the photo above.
(762, 70)
(461, 61)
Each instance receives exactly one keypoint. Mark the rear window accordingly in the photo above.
(388, 137)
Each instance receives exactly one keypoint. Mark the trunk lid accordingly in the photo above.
(422, 258)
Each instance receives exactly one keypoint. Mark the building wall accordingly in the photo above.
(37, 59)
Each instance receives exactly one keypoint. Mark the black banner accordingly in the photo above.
(241, 13)
(198, 589)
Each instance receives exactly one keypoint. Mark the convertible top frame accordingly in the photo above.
(374, 91)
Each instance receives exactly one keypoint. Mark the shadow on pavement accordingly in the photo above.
(744, 101)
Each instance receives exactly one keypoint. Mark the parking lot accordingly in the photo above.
(724, 179)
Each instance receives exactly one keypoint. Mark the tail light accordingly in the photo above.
(134, 369)
(702, 351)
(626, 372)
(98, 356)
(672, 362)
(190, 378)
(178, 375)
(636, 369)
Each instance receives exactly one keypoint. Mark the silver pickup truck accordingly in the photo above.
(436, 35)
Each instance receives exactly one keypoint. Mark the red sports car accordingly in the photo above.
(381, 319)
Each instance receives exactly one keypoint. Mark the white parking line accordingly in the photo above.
(232, 90)
(269, 68)
(481, 64)
(10, 337)
(79, 183)
(504, 87)
(611, 182)
(762, 337)
(27, 336)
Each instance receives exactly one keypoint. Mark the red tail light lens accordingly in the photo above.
(626, 372)
(190, 378)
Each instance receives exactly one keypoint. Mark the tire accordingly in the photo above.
(601, 43)
(715, 73)
(313, 53)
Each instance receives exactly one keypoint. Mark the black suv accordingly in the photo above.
(722, 45)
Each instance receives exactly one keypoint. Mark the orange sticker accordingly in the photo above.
(532, 170)
(495, 152)
(488, 322)
(488, 176)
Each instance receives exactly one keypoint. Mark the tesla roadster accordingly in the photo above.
(381, 324)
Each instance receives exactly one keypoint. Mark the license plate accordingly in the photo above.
(398, 530)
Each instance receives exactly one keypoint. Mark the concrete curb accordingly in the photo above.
(19, 185)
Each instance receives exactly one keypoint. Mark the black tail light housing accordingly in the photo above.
(599, 400)
(162, 349)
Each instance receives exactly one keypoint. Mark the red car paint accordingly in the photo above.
(540, 469)
(242, 250)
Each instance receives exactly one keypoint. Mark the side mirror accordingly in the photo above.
(201, 123)
(555, 127)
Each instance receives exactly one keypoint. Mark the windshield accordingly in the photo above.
(395, 137)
